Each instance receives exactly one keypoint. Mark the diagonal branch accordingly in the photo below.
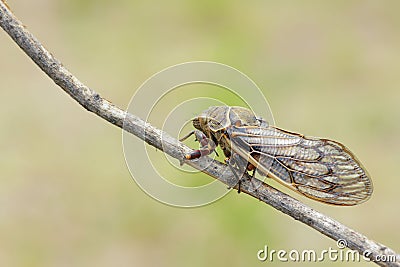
(93, 102)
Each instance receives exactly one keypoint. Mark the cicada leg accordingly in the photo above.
(207, 146)
(238, 167)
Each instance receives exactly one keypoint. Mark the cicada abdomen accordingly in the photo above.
(321, 169)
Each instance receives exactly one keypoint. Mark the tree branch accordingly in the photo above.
(93, 102)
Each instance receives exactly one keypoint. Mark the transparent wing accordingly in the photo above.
(320, 169)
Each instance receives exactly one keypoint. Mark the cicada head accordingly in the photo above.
(212, 119)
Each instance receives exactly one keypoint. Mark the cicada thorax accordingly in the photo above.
(221, 123)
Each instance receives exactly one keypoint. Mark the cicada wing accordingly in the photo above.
(320, 169)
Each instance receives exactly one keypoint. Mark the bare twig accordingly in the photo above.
(92, 101)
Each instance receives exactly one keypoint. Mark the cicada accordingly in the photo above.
(318, 168)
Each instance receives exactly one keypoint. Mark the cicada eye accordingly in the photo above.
(196, 123)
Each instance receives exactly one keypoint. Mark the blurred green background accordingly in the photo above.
(328, 68)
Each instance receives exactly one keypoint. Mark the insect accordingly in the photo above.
(321, 169)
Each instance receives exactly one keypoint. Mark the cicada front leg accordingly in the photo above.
(207, 146)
